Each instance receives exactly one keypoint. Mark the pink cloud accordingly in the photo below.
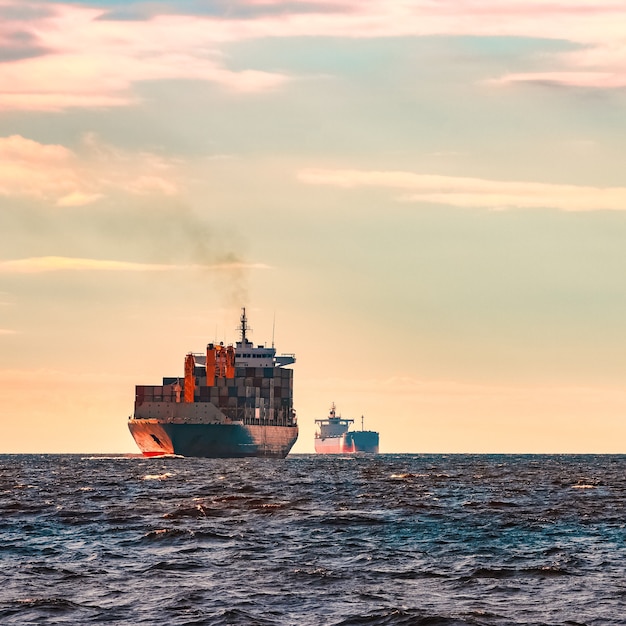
(598, 65)
(81, 59)
(93, 62)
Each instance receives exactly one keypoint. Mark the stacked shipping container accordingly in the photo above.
(255, 395)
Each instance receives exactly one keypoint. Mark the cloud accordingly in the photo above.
(60, 176)
(599, 65)
(474, 192)
(7, 331)
(94, 62)
(600, 80)
(77, 56)
(38, 265)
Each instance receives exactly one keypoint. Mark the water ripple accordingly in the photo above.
(314, 541)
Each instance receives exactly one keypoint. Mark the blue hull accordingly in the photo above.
(362, 441)
(157, 438)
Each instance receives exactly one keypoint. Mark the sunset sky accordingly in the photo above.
(426, 198)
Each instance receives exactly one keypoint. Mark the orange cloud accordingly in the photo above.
(38, 265)
(60, 176)
(474, 192)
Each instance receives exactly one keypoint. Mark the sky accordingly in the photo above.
(424, 200)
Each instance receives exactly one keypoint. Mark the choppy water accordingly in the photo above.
(394, 539)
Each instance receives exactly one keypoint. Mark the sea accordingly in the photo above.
(437, 540)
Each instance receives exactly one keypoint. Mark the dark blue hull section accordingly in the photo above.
(214, 441)
(362, 441)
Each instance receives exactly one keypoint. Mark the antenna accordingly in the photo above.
(273, 328)
(362, 428)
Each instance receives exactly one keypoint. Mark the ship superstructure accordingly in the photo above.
(233, 401)
(334, 436)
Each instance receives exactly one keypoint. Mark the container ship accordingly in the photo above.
(335, 437)
(233, 401)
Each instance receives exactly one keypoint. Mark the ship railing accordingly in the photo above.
(266, 418)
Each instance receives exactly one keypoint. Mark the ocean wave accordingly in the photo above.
(407, 617)
(163, 476)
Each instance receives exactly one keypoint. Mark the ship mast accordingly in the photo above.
(244, 326)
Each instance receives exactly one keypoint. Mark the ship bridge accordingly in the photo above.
(332, 426)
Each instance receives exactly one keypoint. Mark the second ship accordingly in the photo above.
(233, 401)
(335, 437)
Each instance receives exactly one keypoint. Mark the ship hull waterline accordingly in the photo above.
(230, 440)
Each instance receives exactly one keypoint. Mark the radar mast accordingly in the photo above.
(244, 326)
